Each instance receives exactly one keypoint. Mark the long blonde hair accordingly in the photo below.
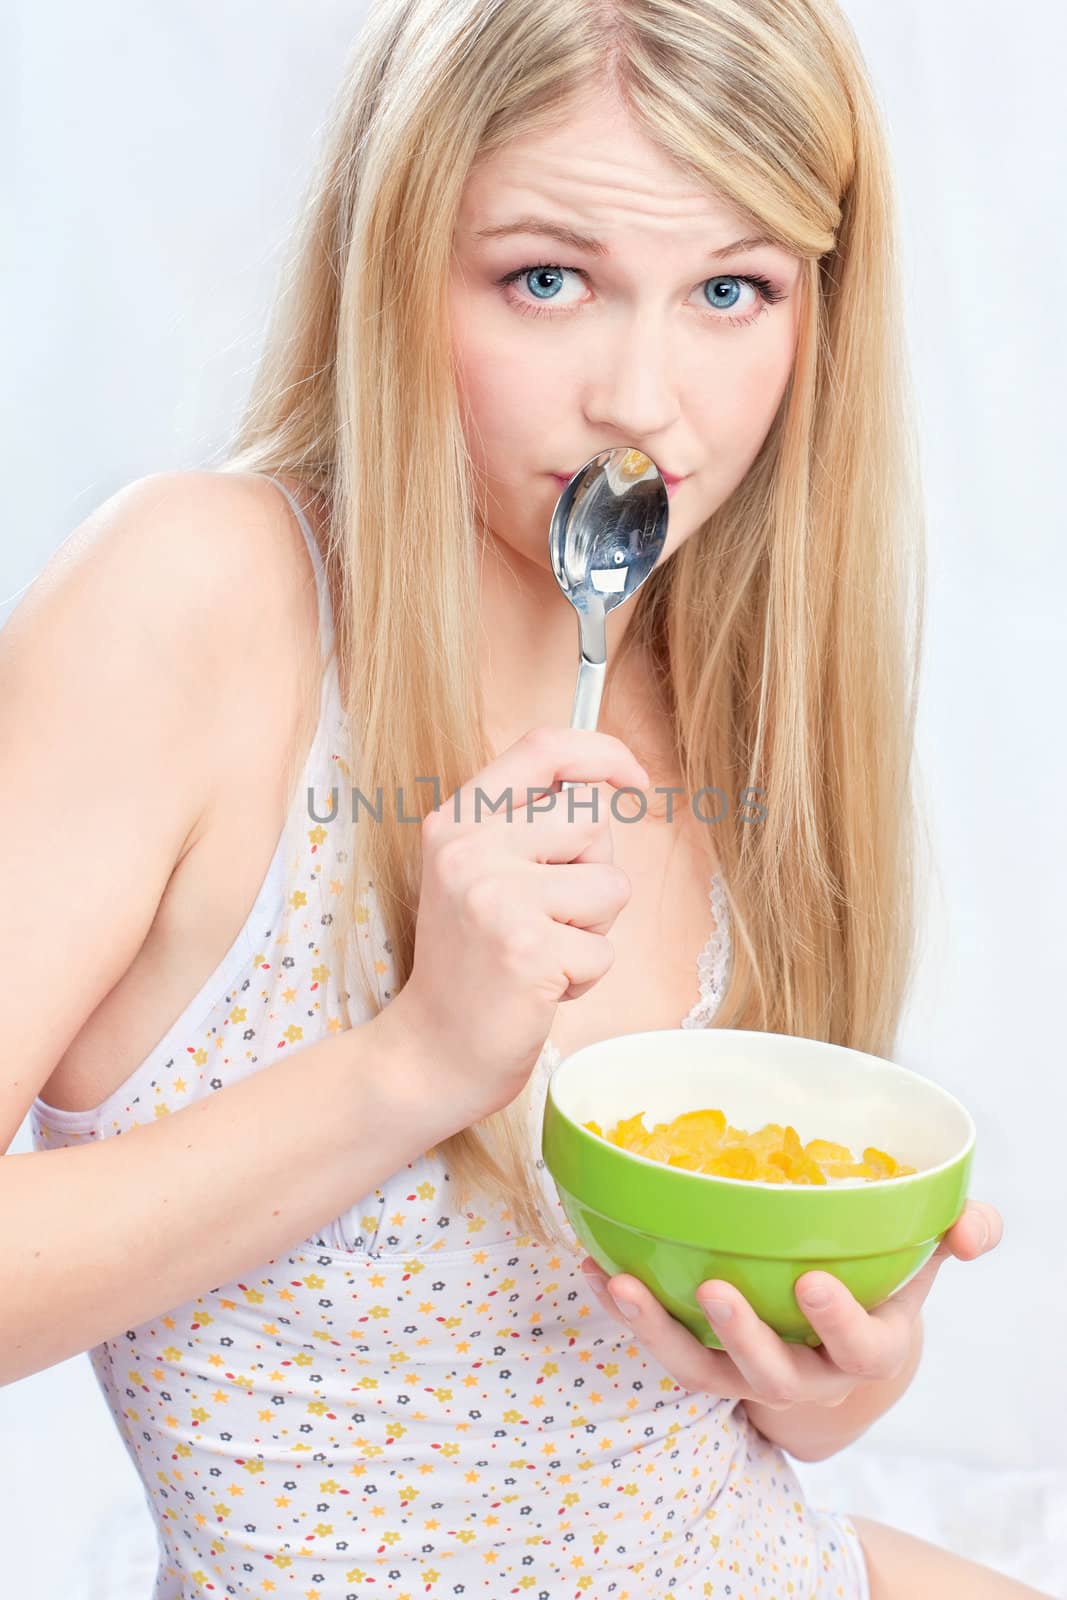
(786, 632)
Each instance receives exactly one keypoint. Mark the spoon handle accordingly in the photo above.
(587, 693)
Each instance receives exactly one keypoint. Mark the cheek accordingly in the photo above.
(494, 385)
(734, 433)
(757, 394)
(495, 416)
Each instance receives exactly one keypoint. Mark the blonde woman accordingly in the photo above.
(323, 1278)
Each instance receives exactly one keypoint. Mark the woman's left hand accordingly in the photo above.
(858, 1346)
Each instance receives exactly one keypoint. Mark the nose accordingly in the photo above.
(630, 387)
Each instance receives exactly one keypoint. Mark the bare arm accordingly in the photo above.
(98, 1238)
(117, 673)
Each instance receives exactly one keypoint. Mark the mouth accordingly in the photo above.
(671, 482)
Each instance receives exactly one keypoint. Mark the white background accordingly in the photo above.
(160, 154)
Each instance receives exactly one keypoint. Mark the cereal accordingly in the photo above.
(703, 1141)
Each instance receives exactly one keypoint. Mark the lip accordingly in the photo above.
(670, 483)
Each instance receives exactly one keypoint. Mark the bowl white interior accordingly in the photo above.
(826, 1091)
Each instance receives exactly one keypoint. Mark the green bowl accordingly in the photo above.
(673, 1229)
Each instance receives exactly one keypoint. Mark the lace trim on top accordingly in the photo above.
(713, 963)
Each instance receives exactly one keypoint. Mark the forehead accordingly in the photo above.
(597, 170)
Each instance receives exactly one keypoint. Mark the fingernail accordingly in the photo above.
(819, 1295)
(987, 1234)
(719, 1311)
(627, 1307)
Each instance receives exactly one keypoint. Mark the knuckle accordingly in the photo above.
(434, 830)
(517, 945)
(480, 899)
(855, 1366)
(452, 861)
(540, 740)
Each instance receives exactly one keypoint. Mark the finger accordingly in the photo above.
(977, 1230)
(582, 959)
(543, 757)
(594, 802)
(776, 1373)
(556, 829)
(691, 1364)
(598, 1283)
(567, 819)
(903, 1306)
(859, 1343)
(586, 895)
(965, 1240)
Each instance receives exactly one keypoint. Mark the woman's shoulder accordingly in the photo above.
(232, 535)
(150, 665)
(246, 578)
(208, 577)
(197, 542)
(231, 545)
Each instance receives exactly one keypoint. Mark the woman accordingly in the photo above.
(324, 1280)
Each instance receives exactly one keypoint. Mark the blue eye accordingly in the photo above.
(544, 281)
(732, 288)
(541, 272)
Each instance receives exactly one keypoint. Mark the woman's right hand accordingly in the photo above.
(513, 915)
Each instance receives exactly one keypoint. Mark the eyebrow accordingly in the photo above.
(596, 247)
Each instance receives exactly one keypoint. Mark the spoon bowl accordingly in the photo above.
(607, 532)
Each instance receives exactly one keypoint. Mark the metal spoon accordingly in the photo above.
(607, 532)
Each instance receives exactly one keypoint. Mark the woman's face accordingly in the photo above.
(653, 334)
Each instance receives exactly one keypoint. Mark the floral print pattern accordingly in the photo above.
(420, 1401)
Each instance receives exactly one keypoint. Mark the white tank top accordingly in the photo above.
(418, 1400)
